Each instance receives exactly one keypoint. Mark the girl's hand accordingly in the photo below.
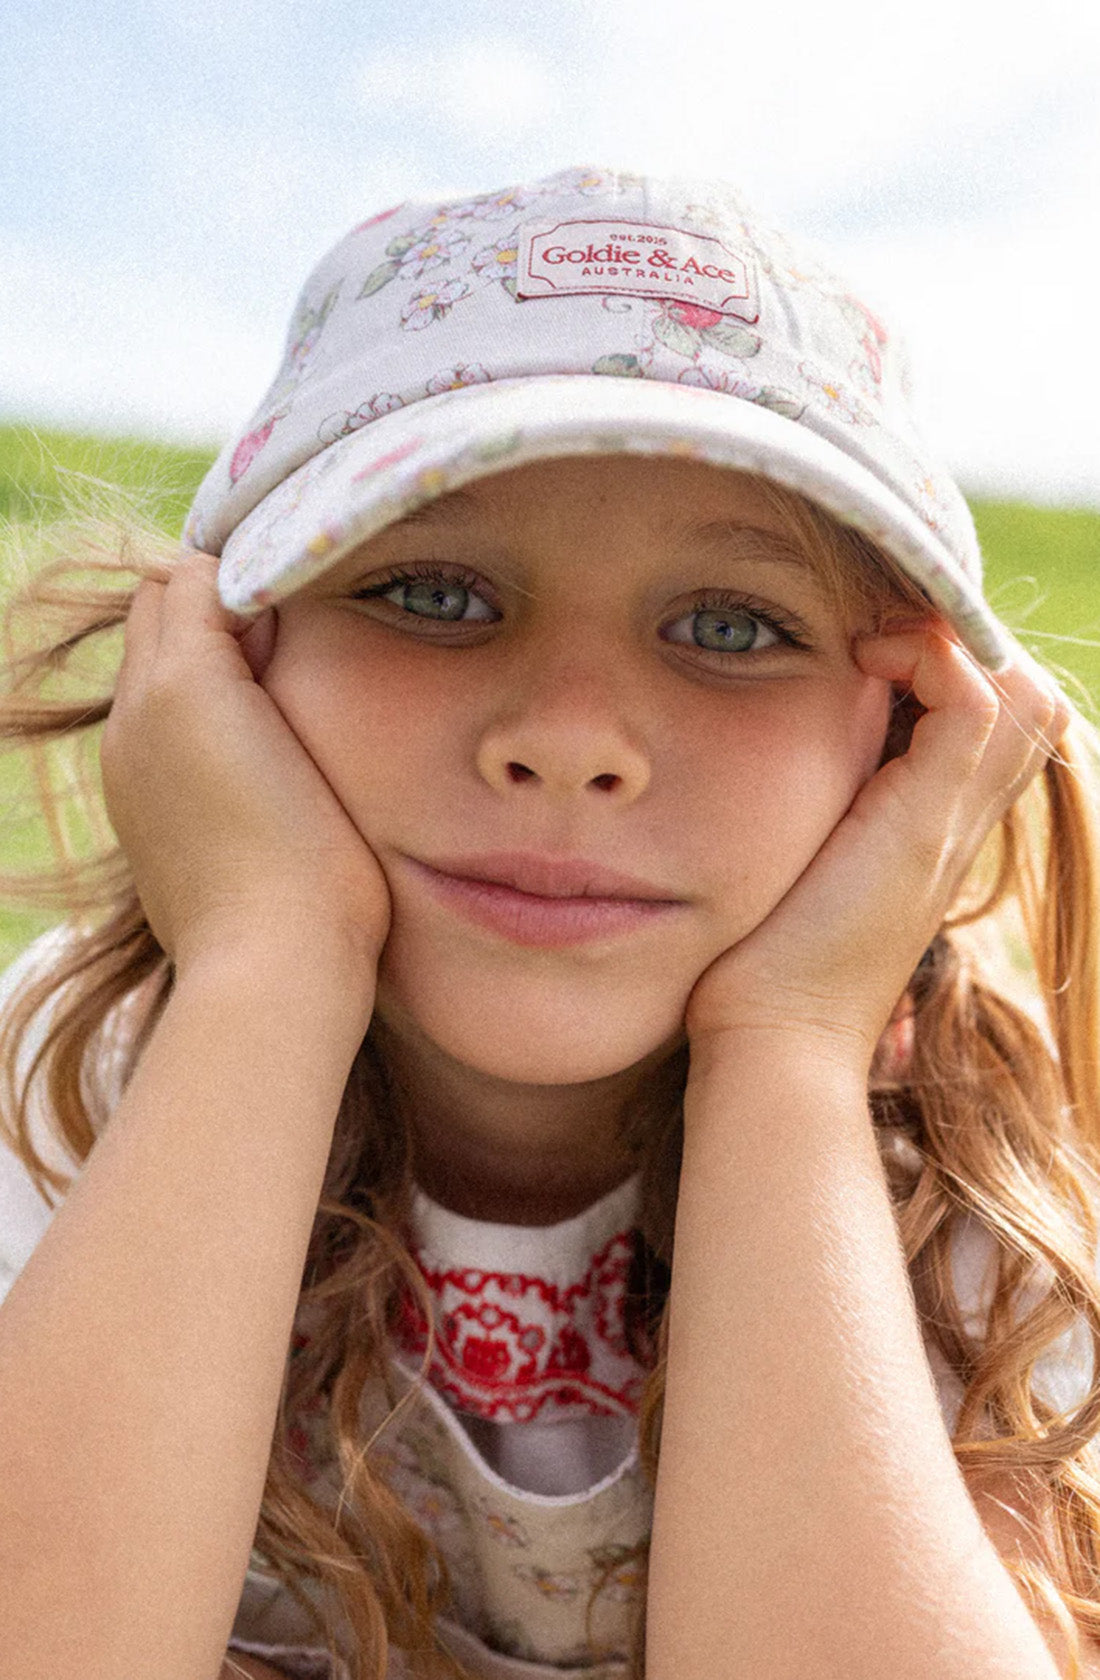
(831, 960)
(231, 830)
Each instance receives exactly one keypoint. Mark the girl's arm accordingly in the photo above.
(810, 1517)
(142, 1348)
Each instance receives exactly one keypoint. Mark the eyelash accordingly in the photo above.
(789, 630)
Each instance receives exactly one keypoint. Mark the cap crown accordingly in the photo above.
(587, 271)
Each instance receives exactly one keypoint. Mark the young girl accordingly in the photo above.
(562, 1139)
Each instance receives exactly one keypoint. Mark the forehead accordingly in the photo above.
(673, 505)
(660, 491)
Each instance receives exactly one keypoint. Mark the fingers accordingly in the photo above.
(990, 732)
(167, 616)
(141, 636)
(193, 607)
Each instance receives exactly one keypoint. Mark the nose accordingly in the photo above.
(565, 732)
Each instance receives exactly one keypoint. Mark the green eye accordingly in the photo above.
(730, 632)
(427, 593)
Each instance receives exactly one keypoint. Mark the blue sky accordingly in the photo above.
(168, 175)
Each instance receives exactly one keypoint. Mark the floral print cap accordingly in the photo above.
(592, 311)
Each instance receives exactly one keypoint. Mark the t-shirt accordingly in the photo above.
(519, 1454)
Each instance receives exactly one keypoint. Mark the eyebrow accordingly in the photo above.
(764, 544)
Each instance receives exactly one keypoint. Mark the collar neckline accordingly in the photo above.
(529, 1319)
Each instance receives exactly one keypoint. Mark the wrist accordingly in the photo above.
(747, 1065)
(304, 972)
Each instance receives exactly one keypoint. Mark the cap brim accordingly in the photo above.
(355, 487)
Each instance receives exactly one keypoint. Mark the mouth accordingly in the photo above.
(549, 877)
(545, 919)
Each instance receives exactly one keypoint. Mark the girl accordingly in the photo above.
(554, 1179)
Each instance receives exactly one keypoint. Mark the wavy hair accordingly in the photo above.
(990, 1115)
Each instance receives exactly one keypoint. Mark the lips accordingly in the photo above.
(549, 877)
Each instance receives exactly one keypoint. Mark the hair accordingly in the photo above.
(994, 1117)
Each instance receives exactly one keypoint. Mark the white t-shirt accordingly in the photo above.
(519, 1455)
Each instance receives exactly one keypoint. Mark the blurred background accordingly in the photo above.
(169, 174)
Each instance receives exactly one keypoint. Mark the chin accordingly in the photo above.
(546, 1032)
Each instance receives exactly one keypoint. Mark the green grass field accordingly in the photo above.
(1042, 577)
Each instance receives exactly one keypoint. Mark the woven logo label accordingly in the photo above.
(559, 259)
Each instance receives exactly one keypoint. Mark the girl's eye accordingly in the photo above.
(723, 623)
(427, 592)
(730, 629)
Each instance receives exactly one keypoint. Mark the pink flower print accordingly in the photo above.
(249, 447)
(341, 425)
(453, 379)
(498, 262)
(838, 399)
(425, 307)
(488, 207)
(715, 379)
(434, 250)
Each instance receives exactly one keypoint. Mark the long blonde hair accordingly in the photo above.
(995, 1117)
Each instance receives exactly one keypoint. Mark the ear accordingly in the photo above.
(258, 642)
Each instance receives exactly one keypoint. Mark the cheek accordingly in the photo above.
(772, 785)
(336, 704)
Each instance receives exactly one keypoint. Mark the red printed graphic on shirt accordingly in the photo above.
(512, 1347)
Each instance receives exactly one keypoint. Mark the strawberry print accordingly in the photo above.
(250, 446)
(689, 328)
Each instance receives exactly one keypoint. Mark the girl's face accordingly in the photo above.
(619, 659)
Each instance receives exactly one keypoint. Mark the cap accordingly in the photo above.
(592, 311)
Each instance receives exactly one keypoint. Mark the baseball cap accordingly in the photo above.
(590, 311)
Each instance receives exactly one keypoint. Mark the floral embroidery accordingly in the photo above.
(512, 1347)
